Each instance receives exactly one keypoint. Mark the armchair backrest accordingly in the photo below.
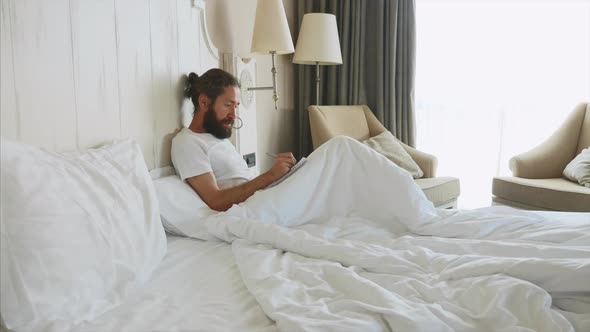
(548, 159)
(356, 121)
(571, 137)
(584, 138)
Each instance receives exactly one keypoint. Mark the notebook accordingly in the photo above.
(293, 169)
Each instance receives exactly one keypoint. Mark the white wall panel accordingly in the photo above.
(208, 54)
(135, 75)
(9, 113)
(167, 90)
(43, 71)
(78, 73)
(95, 71)
(188, 38)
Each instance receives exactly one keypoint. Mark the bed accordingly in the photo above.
(307, 255)
(98, 234)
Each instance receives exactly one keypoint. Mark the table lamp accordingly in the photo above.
(318, 44)
(271, 36)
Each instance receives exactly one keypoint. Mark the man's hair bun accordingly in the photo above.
(191, 84)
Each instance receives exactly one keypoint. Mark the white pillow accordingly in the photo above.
(182, 210)
(387, 145)
(578, 170)
(78, 231)
(186, 112)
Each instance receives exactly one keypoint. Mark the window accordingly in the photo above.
(494, 78)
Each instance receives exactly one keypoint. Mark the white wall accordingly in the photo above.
(78, 73)
(276, 128)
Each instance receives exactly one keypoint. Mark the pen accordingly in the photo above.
(271, 155)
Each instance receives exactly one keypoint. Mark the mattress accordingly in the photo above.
(196, 288)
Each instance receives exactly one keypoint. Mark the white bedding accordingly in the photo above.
(368, 278)
(196, 288)
(350, 243)
(360, 252)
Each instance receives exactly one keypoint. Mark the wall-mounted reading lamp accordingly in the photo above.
(271, 36)
(235, 28)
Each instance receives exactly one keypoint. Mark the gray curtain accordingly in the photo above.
(377, 39)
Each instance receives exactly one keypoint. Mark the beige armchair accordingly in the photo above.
(359, 122)
(537, 182)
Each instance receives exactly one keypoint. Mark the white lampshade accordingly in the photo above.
(271, 30)
(318, 41)
(228, 21)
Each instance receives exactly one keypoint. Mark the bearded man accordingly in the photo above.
(202, 154)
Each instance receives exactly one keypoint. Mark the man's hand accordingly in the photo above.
(283, 163)
(217, 199)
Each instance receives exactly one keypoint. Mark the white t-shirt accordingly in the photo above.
(195, 154)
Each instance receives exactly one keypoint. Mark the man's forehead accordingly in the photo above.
(231, 93)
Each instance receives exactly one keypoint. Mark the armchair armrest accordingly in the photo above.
(426, 161)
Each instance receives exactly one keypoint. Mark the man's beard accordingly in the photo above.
(215, 127)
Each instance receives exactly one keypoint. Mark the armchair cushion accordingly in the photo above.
(440, 190)
(578, 170)
(388, 146)
(425, 161)
(542, 194)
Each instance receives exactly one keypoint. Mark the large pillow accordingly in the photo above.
(78, 232)
(182, 210)
(387, 145)
(578, 170)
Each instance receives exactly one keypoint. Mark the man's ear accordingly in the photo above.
(203, 101)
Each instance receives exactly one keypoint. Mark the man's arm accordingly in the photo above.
(220, 200)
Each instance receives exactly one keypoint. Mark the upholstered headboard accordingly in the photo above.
(76, 74)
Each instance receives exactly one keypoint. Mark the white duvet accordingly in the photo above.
(350, 243)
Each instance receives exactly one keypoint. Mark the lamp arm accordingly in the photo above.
(274, 79)
(261, 88)
(275, 97)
